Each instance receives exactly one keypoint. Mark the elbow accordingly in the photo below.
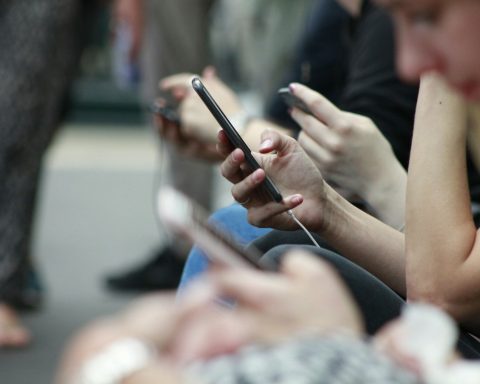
(459, 308)
(429, 292)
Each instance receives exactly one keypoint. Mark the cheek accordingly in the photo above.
(458, 41)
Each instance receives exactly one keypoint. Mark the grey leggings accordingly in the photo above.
(378, 303)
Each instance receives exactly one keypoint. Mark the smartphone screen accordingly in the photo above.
(293, 101)
(167, 112)
(233, 135)
(185, 218)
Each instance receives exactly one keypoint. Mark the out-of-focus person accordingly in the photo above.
(40, 46)
(166, 36)
(176, 36)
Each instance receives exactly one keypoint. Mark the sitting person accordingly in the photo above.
(297, 326)
(439, 265)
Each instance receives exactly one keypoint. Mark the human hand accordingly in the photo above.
(170, 131)
(270, 308)
(352, 154)
(290, 169)
(306, 296)
(150, 319)
(348, 148)
(196, 120)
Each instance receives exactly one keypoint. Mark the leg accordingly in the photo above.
(175, 40)
(377, 302)
(36, 67)
(233, 219)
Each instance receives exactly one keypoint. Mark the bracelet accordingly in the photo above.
(116, 361)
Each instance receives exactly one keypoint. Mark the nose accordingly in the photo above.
(416, 56)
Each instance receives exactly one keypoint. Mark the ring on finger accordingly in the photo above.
(244, 202)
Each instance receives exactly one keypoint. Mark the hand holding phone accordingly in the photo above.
(185, 218)
(293, 101)
(233, 136)
(168, 112)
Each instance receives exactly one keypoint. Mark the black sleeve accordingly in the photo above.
(320, 61)
(373, 88)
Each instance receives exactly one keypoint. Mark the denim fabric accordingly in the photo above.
(232, 219)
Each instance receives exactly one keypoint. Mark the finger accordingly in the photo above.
(174, 81)
(304, 265)
(317, 153)
(261, 216)
(224, 147)
(209, 72)
(243, 189)
(319, 132)
(230, 168)
(274, 141)
(247, 287)
(319, 105)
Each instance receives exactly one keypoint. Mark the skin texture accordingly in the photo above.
(353, 155)
(442, 241)
(439, 35)
(296, 300)
(368, 242)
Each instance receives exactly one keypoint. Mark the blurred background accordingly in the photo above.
(100, 159)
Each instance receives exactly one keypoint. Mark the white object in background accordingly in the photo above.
(430, 337)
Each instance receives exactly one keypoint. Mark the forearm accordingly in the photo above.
(386, 195)
(440, 233)
(365, 240)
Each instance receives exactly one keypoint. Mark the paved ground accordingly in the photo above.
(95, 217)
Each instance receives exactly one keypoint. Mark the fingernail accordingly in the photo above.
(258, 176)
(236, 156)
(296, 199)
(292, 87)
(266, 144)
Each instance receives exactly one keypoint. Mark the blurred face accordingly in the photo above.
(440, 35)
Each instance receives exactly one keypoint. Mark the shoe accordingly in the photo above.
(26, 291)
(162, 272)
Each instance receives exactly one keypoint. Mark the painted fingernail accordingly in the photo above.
(258, 176)
(266, 144)
(236, 156)
(296, 199)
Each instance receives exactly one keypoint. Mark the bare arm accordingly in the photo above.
(362, 238)
(442, 247)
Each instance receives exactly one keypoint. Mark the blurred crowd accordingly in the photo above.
(372, 144)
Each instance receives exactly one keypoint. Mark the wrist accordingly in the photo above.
(386, 196)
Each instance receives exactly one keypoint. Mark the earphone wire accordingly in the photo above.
(290, 212)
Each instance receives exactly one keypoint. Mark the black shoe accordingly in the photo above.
(25, 292)
(162, 272)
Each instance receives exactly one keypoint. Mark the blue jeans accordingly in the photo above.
(232, 219)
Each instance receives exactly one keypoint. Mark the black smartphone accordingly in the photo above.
(166, 111)
(233, 135)
(293, 101)
(185, 218)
